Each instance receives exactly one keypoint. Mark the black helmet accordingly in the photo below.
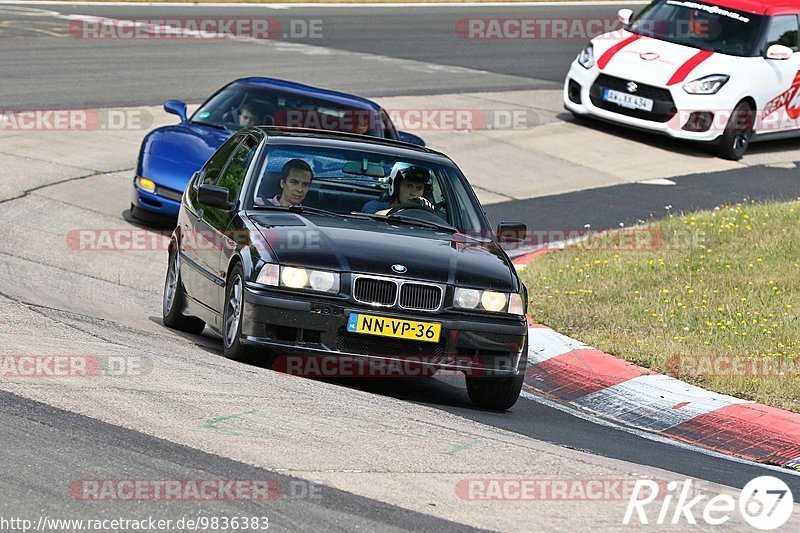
(411, 172)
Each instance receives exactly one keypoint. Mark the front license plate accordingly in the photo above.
(394, 327)
(631, 101)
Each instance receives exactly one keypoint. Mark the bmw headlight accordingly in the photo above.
(707, 84)
(586, 57)
(298, 278)
(492, 301)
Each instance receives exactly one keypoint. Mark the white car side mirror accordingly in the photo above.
(625, 16)
(778, 51)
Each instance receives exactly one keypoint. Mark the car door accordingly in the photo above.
(780, 106)
(198, 278)
(218, 221)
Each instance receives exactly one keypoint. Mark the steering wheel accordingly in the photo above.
(417, 203)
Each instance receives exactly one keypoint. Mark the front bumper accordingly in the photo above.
(685, 107)
(156, 203)
(314, 326)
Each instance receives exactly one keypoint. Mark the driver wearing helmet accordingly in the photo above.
(408, 184)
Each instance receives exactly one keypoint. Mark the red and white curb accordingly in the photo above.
(593, 381)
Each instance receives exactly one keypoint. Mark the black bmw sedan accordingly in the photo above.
(339, 246)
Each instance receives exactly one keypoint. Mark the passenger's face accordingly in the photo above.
(246, 119)
(295, 187)
(409, 190)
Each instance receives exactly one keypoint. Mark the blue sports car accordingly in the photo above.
(170, 155)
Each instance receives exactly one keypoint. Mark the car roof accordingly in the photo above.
(308, 90)
(759, 7)
(351, 141)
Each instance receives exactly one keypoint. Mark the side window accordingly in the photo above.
(783, 30)
(389, 130)
(214, 166)
(232, 178)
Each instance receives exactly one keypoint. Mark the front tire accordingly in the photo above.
(174, 299)
(498, 394)
(736, 138)
(232, 317)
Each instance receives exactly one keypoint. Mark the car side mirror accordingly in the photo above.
(213, 196)
(624, 16)
(778, 51)
(410, 138)
(511, 232)
(176, 107)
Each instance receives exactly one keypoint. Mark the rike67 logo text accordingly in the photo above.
(765, 503)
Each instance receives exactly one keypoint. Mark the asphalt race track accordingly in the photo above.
(347, 455)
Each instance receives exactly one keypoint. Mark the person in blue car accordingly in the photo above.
(406, 184)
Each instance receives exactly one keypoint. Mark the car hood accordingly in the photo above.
(367, 246)
(655, 62)
(171, 154)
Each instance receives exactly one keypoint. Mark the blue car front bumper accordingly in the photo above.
(157, 203)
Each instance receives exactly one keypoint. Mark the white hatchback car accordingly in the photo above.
(724, 72)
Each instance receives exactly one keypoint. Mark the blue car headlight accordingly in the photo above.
(145, 184)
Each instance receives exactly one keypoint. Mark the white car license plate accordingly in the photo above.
(631, 101)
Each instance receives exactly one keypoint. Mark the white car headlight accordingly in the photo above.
(492, 301)
(586, 57)
(298, 278)
(707, 84)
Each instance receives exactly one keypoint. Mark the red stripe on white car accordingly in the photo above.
(611, 52)
(688, 66)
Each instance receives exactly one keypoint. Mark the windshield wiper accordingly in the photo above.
(411, 221)
(312, 210)
(211, 125)
(298, 209)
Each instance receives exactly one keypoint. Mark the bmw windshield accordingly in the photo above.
(704, 26)
(342, 182)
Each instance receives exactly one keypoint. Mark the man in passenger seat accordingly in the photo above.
(296, 176)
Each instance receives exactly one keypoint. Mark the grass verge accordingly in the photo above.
(710, 297)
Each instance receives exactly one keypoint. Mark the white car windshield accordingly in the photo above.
(700, 25)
